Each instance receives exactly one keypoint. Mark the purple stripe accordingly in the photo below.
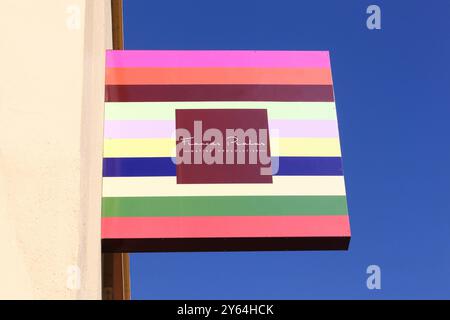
(135, 129)
(157, 167)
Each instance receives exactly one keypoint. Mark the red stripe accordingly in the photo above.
(227, 227)
(218, 76)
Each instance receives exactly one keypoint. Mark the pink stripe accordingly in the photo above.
(227, 227)
(305, 128)
(204, 58)
(135, 129)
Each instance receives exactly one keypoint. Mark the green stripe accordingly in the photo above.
(223, 206)
(166, 110)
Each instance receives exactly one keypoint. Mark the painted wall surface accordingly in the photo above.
(51, 115)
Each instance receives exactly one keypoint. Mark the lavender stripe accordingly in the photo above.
(305, 128)
(135, 129)
(130, 129)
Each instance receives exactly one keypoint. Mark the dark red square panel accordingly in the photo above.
(222, 146)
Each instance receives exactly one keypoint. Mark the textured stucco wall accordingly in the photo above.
(51, 123)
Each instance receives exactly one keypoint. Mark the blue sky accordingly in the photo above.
(392, 90)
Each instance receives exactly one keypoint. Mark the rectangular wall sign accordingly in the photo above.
(221, 150)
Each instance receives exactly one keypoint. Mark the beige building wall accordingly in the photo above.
(51, 126)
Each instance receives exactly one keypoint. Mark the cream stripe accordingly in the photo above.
(167, 186)
(165, 147)
(166, 110)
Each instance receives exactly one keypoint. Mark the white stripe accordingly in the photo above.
(167, 186)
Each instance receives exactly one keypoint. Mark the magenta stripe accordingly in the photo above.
(135, 129)
(205, 58)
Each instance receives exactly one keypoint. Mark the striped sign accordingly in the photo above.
(151, 202)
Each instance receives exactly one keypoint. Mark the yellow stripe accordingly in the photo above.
(167, 186)
(165, 147)
(305, 147)
(161, 147)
